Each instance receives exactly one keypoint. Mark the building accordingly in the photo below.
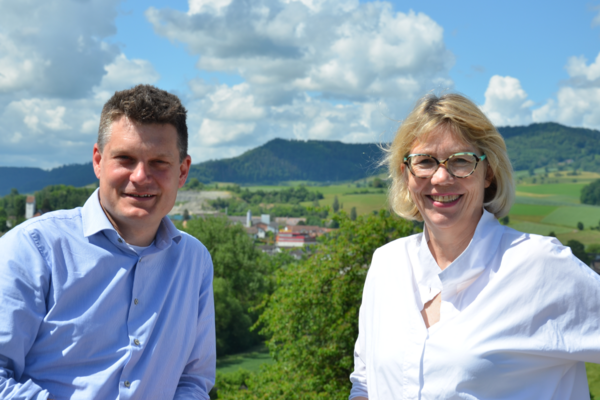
(30, 207)
(287, 238)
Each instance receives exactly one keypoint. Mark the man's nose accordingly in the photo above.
(141, 173)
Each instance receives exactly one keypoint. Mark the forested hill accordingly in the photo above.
(533, 146)
(28, 180)
(285, 160)
(547, 144)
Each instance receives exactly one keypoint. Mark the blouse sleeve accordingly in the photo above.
(359, 375)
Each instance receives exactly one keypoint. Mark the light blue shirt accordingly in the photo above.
(83, 316)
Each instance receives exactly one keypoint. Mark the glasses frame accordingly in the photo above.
(445, 162)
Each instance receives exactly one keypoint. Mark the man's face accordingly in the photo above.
(139, 172)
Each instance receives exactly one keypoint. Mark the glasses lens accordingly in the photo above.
(462, 165)
(423, 166)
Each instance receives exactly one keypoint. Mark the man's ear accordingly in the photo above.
(96, 158)
(184, 170)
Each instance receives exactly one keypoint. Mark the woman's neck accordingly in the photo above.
(447, 244)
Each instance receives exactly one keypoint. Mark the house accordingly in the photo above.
(252, 231)
(30, 207)
(309, 230)
(286, 238)
(288, 221)
(263, 229)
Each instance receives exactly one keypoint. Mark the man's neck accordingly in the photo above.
(137, 236)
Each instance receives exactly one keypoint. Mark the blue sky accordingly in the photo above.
(250, 71)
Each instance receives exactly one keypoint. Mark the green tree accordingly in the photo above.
(353, 214)
(590, 194)
(578, 250)
(193, 184)
(312, 317)
(336, 204)
(505, 220)
(242, 278)
(593, 248)
(580, 226)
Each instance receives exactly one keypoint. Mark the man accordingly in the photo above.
(110, 300)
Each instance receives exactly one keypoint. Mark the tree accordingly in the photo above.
(504, 220)
(336, 204)
(193, 184)
(580, 226)
(590, 194)
(312, 317)
(353, 214)
(242, 278)
(578, 250)
(593, 248)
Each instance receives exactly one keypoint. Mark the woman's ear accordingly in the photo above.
(489, 176)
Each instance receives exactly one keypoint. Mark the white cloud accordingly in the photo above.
(578, 99)
(56, 71)
(50, 131)
(54, 48)
(123, 73)
(320, 69)
(506, 102)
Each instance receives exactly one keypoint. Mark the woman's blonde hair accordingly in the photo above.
(463, 118)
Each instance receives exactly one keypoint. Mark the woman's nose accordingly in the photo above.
(441, 175)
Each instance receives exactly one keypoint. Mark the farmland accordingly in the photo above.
(545, 203)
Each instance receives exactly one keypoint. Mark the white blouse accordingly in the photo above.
(519, 317)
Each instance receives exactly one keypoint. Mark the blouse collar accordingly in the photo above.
(466, 268)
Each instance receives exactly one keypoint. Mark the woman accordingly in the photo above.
(469, 309)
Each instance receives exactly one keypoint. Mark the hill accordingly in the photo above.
(28, 180)
(548, 144)
(292, 160)
(533, 146)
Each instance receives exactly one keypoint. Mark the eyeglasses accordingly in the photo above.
(459, 165)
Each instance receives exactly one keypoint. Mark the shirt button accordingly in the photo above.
(120, 241)
(135, 301)
(127, 384)
(137, 342)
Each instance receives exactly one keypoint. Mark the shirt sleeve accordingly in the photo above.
(358, 377)
(23, 290)
(198, 376)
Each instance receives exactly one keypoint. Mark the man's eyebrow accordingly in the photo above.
(116, 152)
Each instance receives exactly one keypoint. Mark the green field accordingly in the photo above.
(249, 361)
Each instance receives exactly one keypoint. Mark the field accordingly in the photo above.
(545, 203)
(249, 361)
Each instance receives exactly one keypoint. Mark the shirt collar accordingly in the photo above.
(467, 267)
(95, 220)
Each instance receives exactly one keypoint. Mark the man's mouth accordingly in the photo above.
(140, 196)
(445, 199)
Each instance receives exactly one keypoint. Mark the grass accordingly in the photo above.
(593, 374)
(570, 216)
(539, 229)
(250, 360)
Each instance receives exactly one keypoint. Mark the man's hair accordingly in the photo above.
(461, 117)
(144, 104)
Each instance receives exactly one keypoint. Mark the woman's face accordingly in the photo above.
(447, 202)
